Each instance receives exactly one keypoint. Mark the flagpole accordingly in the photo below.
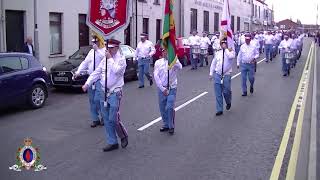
(223, 50)
(106, 75)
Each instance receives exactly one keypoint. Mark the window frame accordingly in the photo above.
(59, 23)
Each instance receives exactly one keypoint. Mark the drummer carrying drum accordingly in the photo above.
(286, 54)
(204, 44)
(194, 42)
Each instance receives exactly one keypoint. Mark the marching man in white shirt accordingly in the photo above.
(204, 45)
(194, 42)
(109, 78)
(167, 95)
(144, 52)
(246, 60)
(90, 63)
(220, 72)
(285, 46)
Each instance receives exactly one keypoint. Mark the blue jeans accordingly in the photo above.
(285, 66)
(194, 61)
(268, 50)
(202, 59)
(247, 70)
(237, 47)
(111, 116)
(222, 90)
(166, 105)
(94, 103)
(261, 46)
(144, 66)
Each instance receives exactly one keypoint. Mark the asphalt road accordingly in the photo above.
(241, 144)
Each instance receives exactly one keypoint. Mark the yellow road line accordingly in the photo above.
(291, 172)
(284, 142)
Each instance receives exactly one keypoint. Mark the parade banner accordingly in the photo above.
(107, 17)
(169, 33)
(226, 31)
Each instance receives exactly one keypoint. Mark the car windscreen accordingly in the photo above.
(81, 53)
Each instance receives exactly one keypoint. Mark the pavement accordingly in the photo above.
(241, 145)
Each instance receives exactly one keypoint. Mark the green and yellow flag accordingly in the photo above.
(169, 33)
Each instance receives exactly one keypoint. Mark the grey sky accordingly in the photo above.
(305, 10)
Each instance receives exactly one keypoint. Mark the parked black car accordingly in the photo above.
(23, 80)
(61, 73)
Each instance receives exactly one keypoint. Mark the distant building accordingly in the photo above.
(287, 24)
(261, 16)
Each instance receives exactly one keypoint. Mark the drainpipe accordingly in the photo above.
(2, 31)
(36, 31)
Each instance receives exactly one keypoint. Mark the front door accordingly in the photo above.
(83, 31)
(14, 31)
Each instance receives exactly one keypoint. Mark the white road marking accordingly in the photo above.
(177, 108)
(186, 103)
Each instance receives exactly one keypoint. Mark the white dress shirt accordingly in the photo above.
(216, 44)
(115, 72)
(247, 53)
(88, 63)
(161, 74)
(30, 49)
(194, 40)
(295, 44)
(285, 45)
(216, 65)
(145, 49)
(269, 39)
(255, 41)
(261, 37)
(204, 42)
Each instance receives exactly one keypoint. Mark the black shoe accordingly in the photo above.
(251, 90)
(288, 72)
(124, 142)
(285, 75)
(151, 82)
(228, 106)
(141, 87)
(207, 63)
(219, 113)
(192, 69)
(95, 124)
(268, 61)
(244, 94)
(164, 129)
(110, 147)
(201, 66)
(171, 131)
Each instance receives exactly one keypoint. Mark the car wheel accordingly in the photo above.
(37, 96)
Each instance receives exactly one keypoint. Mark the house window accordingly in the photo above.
(158, 29)
(232, 23)
(238, 23)
(216, 22)
(157, 2)
(206, 21)
(55, 33)
(259, 11)
(193, 19)
(83, 31)
(145, 25)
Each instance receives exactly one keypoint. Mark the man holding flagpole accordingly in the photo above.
(221, 66)
(166, 70)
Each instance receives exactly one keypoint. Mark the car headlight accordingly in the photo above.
(44, 69)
